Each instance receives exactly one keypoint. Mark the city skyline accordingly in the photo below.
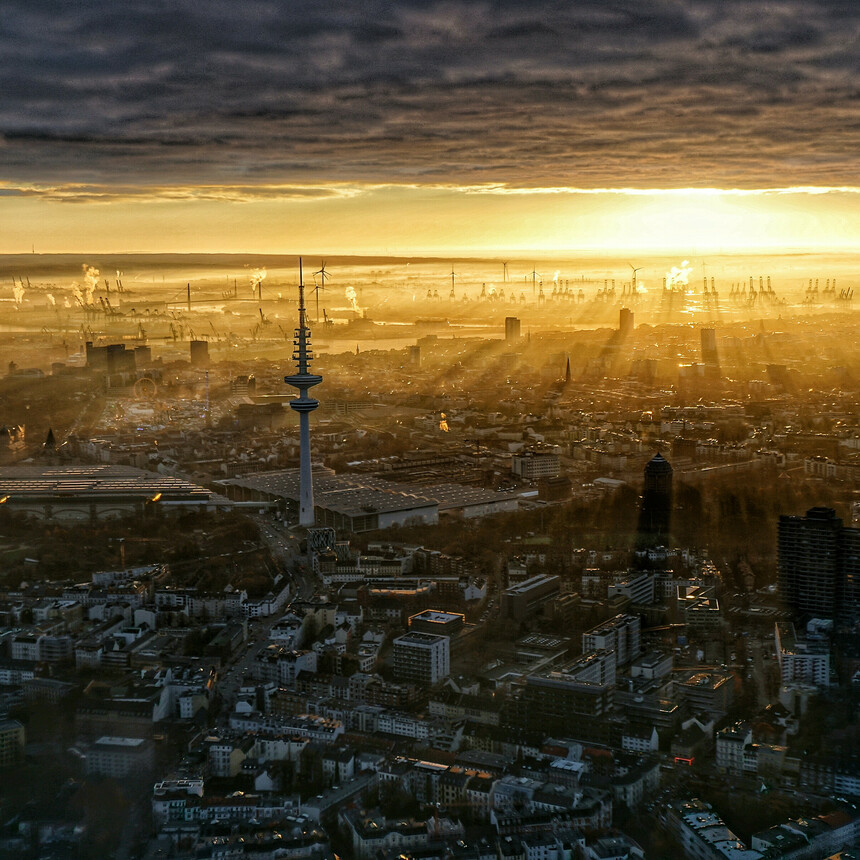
(429, 429)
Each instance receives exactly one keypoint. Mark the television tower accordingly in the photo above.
(304, 405)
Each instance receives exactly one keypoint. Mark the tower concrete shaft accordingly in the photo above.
(303, 380)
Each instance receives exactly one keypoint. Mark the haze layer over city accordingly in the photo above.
(429, 431)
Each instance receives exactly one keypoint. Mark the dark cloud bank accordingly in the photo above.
(590, 94)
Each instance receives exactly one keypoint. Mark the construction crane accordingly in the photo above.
(109, 310)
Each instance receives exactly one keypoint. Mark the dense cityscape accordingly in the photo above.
(429, 430)
(577, 578)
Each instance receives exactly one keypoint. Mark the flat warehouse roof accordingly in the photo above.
(352, 494)
(100, 480)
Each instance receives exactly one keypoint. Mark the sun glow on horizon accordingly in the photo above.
(409, 219)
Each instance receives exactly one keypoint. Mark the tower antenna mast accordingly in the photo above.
(304, 380)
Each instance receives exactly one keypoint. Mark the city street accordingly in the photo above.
(284, 546)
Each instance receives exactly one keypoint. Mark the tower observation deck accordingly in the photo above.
(304, 380)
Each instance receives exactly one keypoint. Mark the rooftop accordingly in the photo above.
(529, 584)
(99, 480)
(437, 616)
(120, 743)
(353, 494)
(416, 638)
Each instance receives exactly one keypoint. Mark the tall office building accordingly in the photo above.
(849, 579)
(625, 321)
(557, 705)
(531, 465)
(111, 359)
(199, 353)
(710, 358)
(422, 658)
(12, 742)
(819, 565)
(512, 329)
(621, 635)
(655, 514)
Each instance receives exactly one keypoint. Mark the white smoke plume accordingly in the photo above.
(257, 278)
(91, 282)
(76, 292)
(51, 300)
(679, 276)
(18, 292)
(67, 303)
(351, 297)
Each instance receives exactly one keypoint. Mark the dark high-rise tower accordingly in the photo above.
(625, 321)
(655, 515)
(199, 350)
(819, 565)
(848, 607)
(710, 357)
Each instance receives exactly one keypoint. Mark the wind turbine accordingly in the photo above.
(635, 270)
(534, 280)
(317, 287)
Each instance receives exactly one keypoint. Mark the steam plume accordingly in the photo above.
(257, 278)
(679, 276)
(91, 282)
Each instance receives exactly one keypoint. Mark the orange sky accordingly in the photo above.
(409, 220)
